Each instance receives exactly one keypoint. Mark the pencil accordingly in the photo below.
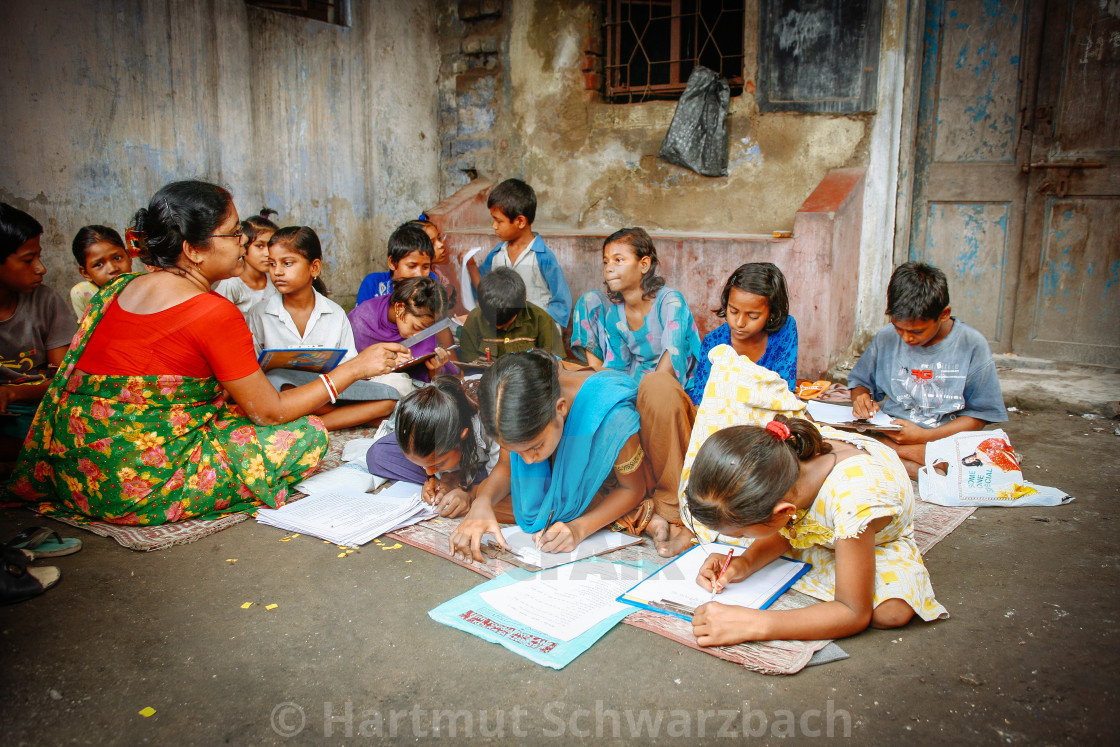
(722, 570)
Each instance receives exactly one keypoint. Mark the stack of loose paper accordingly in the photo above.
(841, 416)
(604, 541)
(350, 517)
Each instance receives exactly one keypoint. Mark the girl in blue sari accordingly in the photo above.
(571, 461)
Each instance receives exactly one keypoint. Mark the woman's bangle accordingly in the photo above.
(330, 387)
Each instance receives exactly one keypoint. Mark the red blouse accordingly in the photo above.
(203, 336)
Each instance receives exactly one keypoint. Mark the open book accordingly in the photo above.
(673, 589)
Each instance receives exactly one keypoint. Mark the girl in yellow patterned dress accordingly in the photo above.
(842, 502)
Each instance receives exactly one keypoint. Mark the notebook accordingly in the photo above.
(673, 589)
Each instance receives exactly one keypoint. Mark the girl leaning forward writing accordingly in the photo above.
(785, 486)
(571, 459)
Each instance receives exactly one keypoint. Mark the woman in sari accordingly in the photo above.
(159, 412)
(573, 459)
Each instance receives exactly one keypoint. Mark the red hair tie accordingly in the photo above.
(778, 430)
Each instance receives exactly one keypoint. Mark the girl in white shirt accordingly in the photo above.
(302, 317)
(252, 285)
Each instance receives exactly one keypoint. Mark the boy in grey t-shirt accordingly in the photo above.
(36, 327)
(933, 374)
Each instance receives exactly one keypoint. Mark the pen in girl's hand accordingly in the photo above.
(722, 570)
(546, 526)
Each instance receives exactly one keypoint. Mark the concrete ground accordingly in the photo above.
(1029, 656)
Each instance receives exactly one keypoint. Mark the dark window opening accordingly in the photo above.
(327, 11)
(653, 45)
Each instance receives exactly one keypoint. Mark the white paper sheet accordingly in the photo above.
(466, 290)
(824, 412)
(351, 476)
(598, 543)
(566, 602)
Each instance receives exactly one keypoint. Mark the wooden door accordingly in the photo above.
(969, 192)
(1012, 93)
(1068, 304)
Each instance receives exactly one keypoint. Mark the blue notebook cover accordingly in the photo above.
(470, 613)
(673, 590)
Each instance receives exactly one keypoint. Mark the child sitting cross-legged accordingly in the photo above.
(932, 373)
(101, 256)
(300, 316)
(505, 322)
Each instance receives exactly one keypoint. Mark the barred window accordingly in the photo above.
(327, 11)
(653, 45)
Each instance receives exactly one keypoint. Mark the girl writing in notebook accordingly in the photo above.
(839, 501)
(571, 461)
(300, 316)
(439, 442)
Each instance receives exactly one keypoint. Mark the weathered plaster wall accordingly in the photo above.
(103, 102)
(595, 166)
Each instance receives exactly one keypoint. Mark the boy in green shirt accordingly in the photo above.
(505, 322)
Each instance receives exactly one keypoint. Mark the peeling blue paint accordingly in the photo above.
(1113, 277)
(979, 110)
(993, 8)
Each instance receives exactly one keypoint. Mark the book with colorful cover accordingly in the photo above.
(314, 360)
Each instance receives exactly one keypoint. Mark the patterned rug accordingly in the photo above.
(932, 523)
(146, 539)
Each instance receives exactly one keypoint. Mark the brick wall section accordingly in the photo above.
(472, 35)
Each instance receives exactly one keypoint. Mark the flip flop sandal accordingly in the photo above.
(46, 543)
(18, 582)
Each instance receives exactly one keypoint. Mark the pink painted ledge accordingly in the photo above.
(820, 261)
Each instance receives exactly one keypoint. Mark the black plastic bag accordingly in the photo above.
(697, 137)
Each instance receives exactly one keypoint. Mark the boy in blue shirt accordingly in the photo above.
(932, 373)
(513, 206)
(410, 256)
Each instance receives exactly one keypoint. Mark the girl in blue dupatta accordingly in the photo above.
(571, 460)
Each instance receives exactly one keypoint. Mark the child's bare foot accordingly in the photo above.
(669, 539)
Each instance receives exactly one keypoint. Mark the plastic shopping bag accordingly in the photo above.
(979, 468)
(697, 136)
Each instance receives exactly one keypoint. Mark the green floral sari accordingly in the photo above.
(154, 449)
